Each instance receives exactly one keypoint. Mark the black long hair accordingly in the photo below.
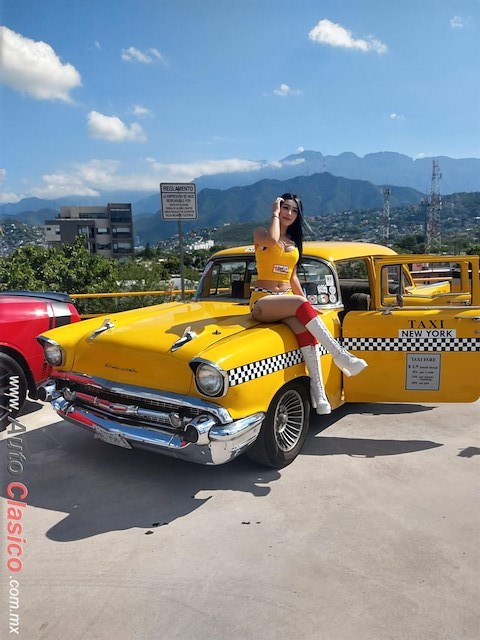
(295, 230)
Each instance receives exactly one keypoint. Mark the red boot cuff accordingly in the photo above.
(305, 313)
(305, 339)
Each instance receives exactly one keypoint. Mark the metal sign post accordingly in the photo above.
(179, 202)
(182, 259)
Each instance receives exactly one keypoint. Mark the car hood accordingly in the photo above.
(145, 346)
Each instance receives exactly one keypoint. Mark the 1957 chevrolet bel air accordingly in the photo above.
(203, 381)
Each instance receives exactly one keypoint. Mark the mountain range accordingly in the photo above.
(386, 167)
(321, 194)
(327, 184)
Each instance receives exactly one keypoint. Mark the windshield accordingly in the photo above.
(227, 278)
(233, 277)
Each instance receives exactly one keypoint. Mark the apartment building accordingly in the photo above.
(108, 230)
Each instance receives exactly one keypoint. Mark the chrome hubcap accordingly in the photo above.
(289, 420)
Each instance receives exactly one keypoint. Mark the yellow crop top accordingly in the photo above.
(273, 263)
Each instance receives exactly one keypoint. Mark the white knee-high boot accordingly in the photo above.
(311, 356)
(350, 365)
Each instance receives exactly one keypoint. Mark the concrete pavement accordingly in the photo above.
(372, 533)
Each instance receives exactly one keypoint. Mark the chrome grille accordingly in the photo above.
(134, 405)
(124, 398)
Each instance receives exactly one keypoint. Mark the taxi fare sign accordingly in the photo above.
(179, 200)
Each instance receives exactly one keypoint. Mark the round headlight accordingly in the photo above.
(209, 380)
(53, 353)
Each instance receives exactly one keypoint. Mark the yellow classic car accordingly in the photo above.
(205, 382)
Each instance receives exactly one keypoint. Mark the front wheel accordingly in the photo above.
(284, 429)
(13, 389)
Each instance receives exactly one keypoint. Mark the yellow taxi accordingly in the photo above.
(205, 382)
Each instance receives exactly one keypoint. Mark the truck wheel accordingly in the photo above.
(13, 389)
(284, 429)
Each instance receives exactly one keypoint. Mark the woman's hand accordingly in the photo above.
(276, 207)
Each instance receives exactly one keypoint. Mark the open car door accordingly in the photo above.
(421, 337)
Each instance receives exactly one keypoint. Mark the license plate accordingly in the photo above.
(111, 438)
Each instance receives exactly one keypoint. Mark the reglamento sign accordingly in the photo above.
(179, 200)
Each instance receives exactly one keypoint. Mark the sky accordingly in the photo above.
(100, 96)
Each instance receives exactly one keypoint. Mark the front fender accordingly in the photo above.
(257, 362)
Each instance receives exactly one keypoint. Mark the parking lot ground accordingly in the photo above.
(372, 533)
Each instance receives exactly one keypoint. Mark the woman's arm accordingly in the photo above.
(267, 237)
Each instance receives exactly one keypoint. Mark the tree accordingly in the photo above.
(71, 269)
(148, 252)
(22, 269)
(474, 250)
(410, 244)
(142, 275)
(199, 258)
(172, 264)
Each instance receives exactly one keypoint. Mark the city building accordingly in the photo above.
(108, 230)
(200, 244)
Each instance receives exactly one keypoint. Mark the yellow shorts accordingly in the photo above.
(259, 292)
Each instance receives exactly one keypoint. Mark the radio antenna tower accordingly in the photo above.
(433, 241)
(386, 214)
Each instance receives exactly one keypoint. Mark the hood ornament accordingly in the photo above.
(107, 324)
(188, 335)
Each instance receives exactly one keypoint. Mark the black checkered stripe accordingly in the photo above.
(411, 344)
(261, 368)
(273, 293)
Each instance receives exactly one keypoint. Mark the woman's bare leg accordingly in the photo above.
(295, 325)
(276, 308)
(279, 308)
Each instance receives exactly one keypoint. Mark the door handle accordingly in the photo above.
(474, 318)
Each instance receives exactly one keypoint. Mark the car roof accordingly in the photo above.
(54, 296)
(331, 251)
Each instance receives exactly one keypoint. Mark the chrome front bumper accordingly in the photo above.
(217, 442)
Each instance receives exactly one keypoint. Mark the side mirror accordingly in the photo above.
(398, 304)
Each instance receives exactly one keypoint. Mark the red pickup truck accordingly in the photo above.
(23, 316)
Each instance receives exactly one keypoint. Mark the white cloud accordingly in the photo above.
(421, 155)
(141, 112)
(131, 54)
(397, 116)
(330, 33)
(135, 55)
(301, 149)
(157, 54)
(285, 90)
(60, 185)
(81, 180)
(184, 172)
(294, 163)
(113, 129)
(457, 22)
(6, 197)
(95, 176)
(98, 173)
(189, 171)
(34, 68)
(97, 45)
